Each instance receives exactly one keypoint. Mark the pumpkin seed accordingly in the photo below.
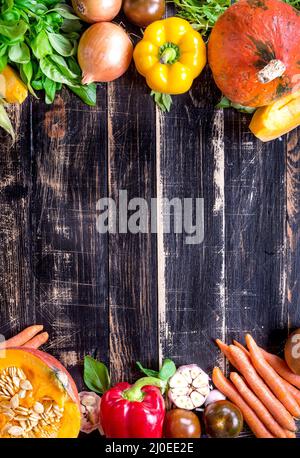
(15, 431)
(25, 385)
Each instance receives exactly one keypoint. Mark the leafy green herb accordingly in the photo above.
(96, 376)
(294, 3)
(202, 14)
(40, 40)
(5, 121)
(166, 371)
(226, 103)
(148, 372)
(163, 101)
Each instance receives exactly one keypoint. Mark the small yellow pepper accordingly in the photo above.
(170, 55)
(277, 119)
(12, 88)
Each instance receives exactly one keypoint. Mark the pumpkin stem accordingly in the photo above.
(274, 69)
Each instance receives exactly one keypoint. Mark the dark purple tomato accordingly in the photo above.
(144, 12)
(181, 424)
(223, 419)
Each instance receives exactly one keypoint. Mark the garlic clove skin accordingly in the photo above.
(90, 412)
(214, 395)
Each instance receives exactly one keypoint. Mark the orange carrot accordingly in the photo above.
(280, 366)
(294, 391)
(238, 344)
(257, 406)
(23, 337)
(279, 412)
(271, 377)
(289, 434)
(225, 350)
(37, 341)
(226, 387)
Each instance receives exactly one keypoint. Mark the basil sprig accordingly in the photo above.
(166, 371)
(40, 39)
(96, 376)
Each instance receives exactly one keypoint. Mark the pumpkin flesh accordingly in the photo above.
(51, 388)
(277, 119)
(245, 39)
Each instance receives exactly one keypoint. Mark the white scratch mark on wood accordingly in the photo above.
(219, 210)
(163, 332)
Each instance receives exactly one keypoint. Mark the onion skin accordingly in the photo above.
(92, 11)
(104, 53)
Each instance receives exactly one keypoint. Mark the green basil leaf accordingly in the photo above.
(3, 62)
(5, 122)
(26, 73)
(74, 67)
(19, 53)
(3, 49)
(148, 372)
(96, 376)
(69, 26)
(167, 370)
(50, 90)
(40, 45)
(65, 11)
(163, 101)
(15, 31)
(37, 85)
(65, 70)
(61, 44)
(87, 93)
(53, 71)
(226, 103)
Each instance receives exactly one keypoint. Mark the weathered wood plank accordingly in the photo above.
(69, 169)
(255, 196)
(191, 277)
(293, 229)
(132, 257)
(16, 295)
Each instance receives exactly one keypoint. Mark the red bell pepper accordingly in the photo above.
(133, 411)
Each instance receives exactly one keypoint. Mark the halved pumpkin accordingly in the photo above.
(277, 119)
(38, 397)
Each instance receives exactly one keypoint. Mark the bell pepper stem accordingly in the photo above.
(168, 55)
(135, 393)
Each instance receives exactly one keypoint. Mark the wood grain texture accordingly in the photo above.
(293, 229)
(255, 195)
(16, 277)
(191, 165)
(132, 257)
(70, 262)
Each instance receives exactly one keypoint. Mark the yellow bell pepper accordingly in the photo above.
(12, 88)
(277, 119)
(170, 55)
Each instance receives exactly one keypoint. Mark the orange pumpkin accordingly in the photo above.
(254, 51)
(38, 397)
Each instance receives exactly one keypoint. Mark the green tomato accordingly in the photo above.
(223, 419)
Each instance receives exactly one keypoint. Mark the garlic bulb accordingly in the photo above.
(189, 387)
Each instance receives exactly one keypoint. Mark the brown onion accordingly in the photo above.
(104, 52)
(96, 10)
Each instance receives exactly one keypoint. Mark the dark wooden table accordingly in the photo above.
(126, 297)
